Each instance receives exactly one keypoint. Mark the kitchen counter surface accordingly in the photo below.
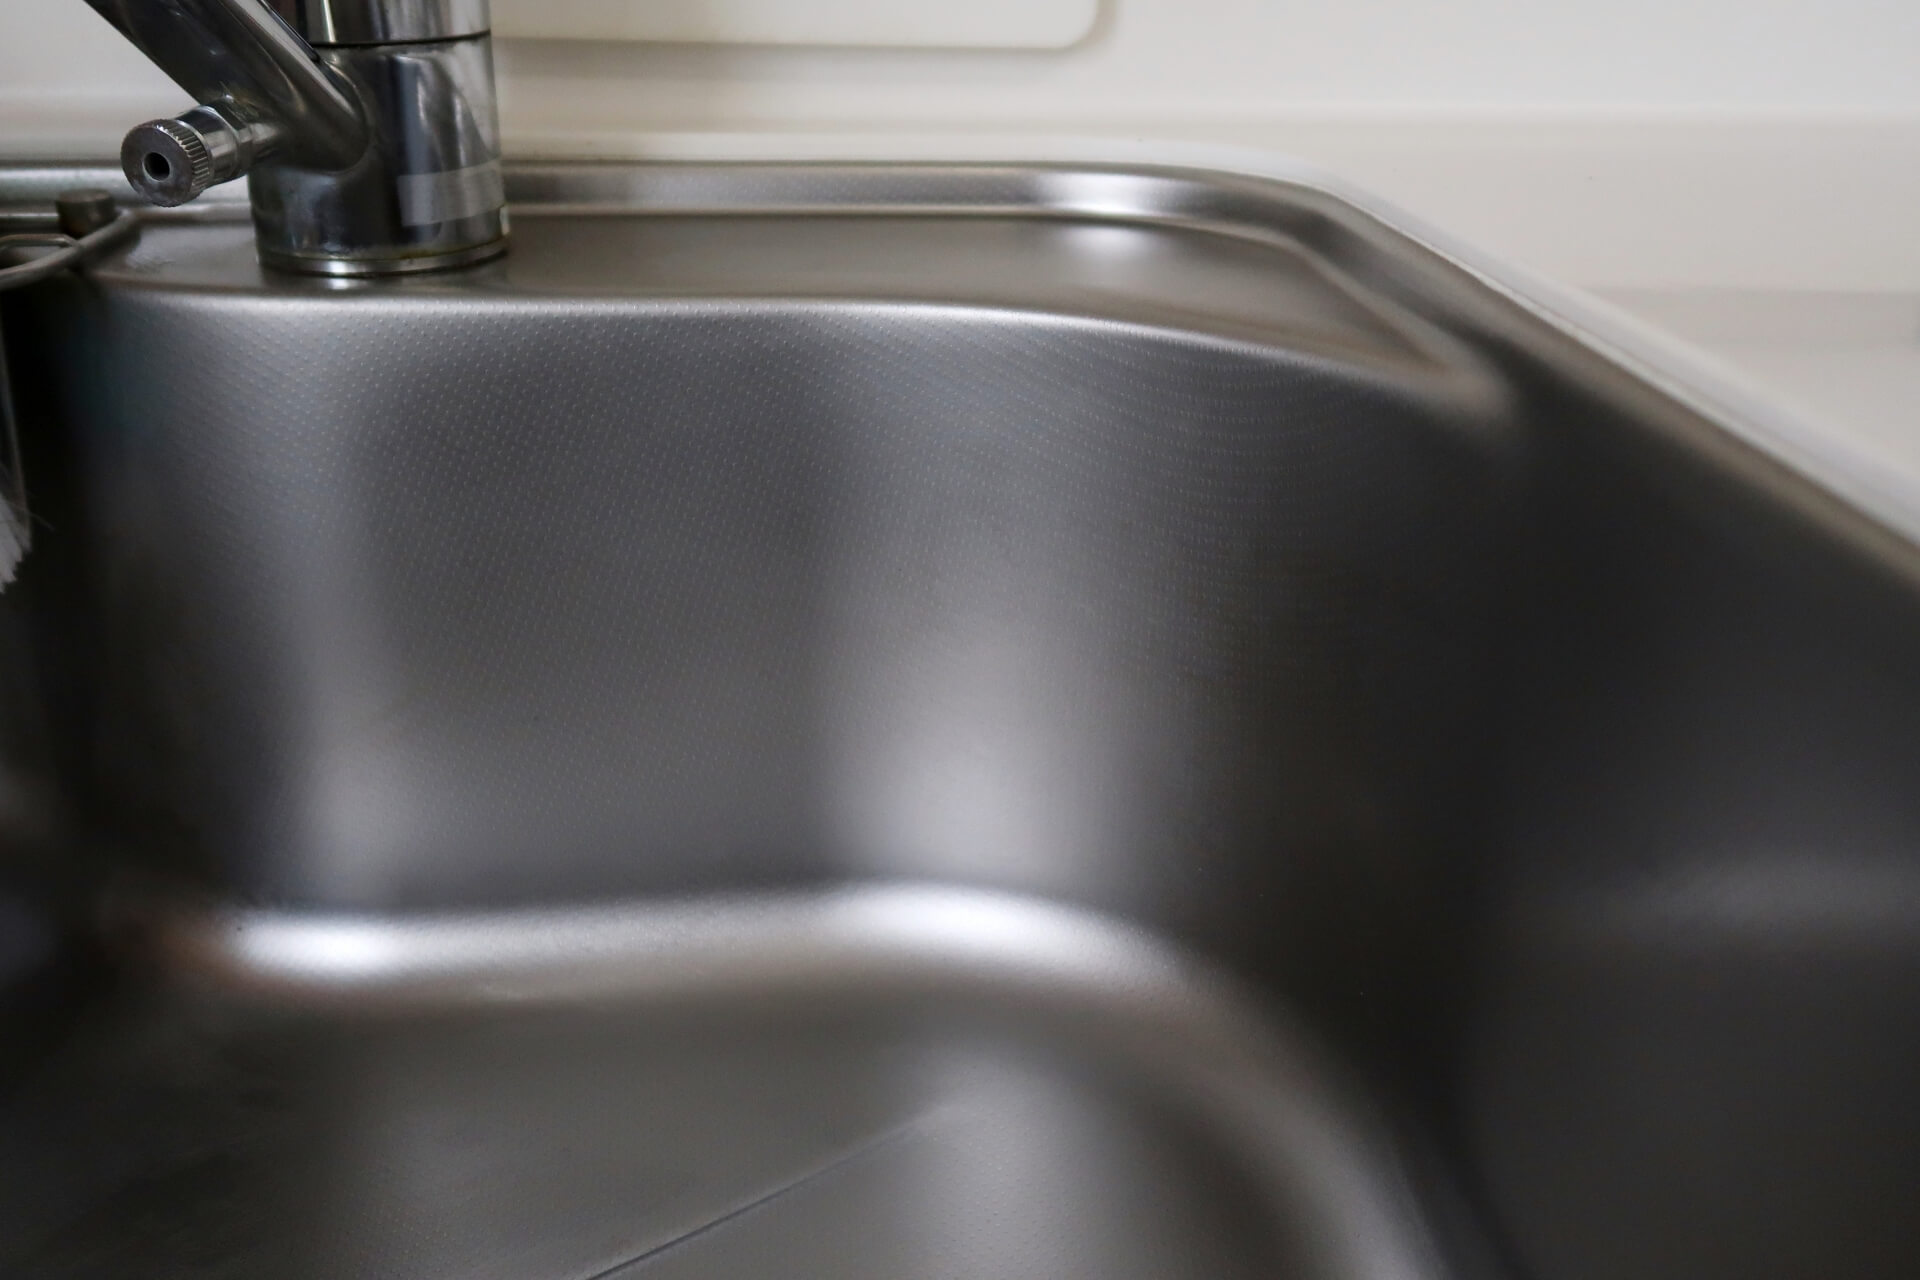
(1846, 363)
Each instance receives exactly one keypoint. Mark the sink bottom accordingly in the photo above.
(875, 1081)
(523, 1147)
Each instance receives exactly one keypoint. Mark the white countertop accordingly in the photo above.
(1847, 363)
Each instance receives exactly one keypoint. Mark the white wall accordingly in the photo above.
(1615, 142)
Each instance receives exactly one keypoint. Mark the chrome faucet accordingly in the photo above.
(367, 129)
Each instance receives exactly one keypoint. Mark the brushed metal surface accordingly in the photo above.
(917, 721)
(1004, 595)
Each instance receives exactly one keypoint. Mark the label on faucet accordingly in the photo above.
(427, 198)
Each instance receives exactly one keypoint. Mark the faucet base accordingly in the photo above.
(427, 192)
(362, 268)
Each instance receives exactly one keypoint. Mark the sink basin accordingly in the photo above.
(890, 721)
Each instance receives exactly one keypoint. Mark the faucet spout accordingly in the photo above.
(261, 89)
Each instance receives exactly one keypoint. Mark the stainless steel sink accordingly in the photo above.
(886, 721)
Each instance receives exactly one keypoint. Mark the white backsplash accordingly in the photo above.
(1629, 143)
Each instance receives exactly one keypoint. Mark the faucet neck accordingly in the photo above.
(238, 57)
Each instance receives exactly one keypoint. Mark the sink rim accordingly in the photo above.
(1224, 190)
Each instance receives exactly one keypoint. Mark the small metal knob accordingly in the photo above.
(168, 161)
(84, 211)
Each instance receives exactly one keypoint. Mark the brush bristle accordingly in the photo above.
(13, 542)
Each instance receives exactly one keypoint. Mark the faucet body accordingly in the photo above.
(367, 129)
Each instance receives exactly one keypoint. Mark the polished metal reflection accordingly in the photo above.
(429, 192)
(325, 22)
(372, 146)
